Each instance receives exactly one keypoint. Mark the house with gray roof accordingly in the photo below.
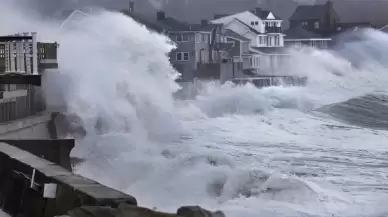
(320, 19)
(298, 37)
(264, 30)
(317, 26)
(197, 45)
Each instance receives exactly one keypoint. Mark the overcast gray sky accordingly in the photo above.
(194, 10)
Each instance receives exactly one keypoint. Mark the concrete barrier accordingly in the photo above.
(33, 127)
(25, 176)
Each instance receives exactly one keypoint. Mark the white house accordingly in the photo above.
(263, 29)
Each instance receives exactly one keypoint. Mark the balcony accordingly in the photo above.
(273, 29)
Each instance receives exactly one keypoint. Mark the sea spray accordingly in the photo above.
(239, 157)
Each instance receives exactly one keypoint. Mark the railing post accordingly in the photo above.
(34, 54)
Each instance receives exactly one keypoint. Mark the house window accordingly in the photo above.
(204, 37)
(256, 23)
(252, 23)
(182, 37)
(198, 37)
(277, 41)
(304, 24)
(269, 41)
(182, 56)
(316, 24)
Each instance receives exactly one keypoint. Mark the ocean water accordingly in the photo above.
(318, 150)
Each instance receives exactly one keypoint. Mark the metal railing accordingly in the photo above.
(23, 106)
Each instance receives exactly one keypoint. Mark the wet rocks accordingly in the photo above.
(93, 211)
(197, 211)
(128, 210)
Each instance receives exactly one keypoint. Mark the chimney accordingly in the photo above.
(329, 15)
(204, 22)
(160, 15)
(131, 6)
(258, 11)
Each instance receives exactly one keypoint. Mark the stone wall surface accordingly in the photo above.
(127, 210)
(34, 127)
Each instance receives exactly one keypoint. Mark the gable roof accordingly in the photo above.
(246, 25)
(308, 12)
(148, 22)
(217, 16)
(244, 17)
(265, 14)
(170, 24)
(384, 29)
(234, 35)
(299, 33)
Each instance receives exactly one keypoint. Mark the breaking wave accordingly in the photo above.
(277, 151)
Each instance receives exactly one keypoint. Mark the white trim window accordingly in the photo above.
(205, 37)
(182, 56)
(277, 41)
(182, 37)
(198, 37)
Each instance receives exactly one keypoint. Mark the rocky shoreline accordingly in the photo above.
(129, 210)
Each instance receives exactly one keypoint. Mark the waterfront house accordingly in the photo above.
(264, 30)
(320, 19)
(317, 26)
(201, 49)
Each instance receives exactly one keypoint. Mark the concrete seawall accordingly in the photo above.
(32, 159)
(34, 127)
(25, 179)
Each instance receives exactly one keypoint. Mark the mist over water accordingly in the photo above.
(277, 151)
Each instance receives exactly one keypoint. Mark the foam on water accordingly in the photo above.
(244, 150)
